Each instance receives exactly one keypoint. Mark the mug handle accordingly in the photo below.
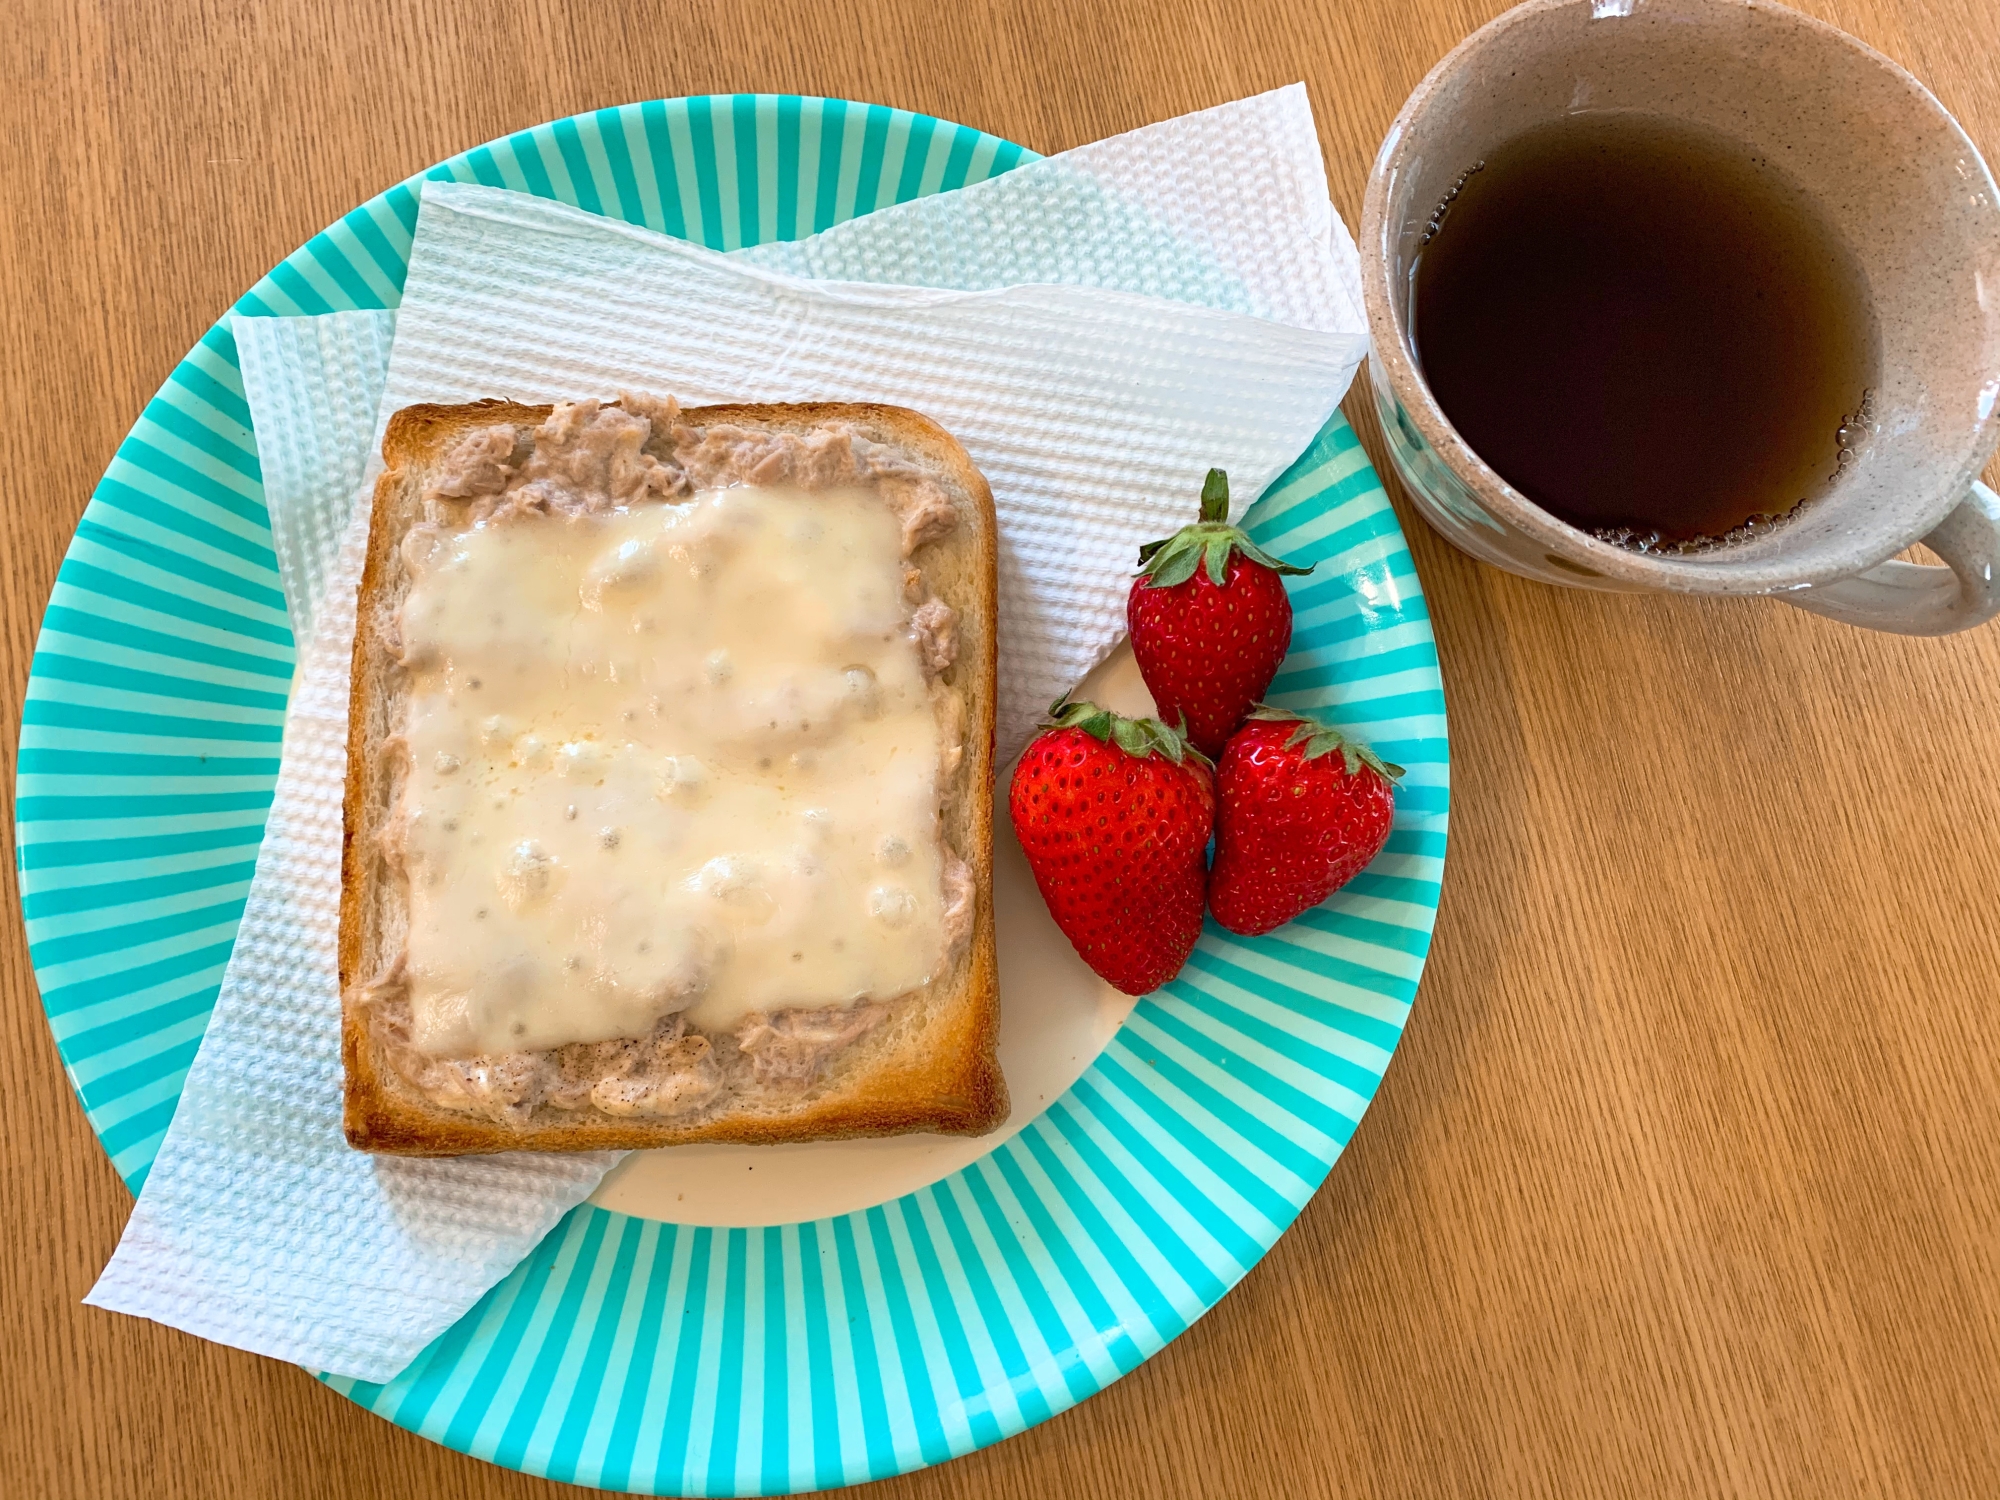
(1922, 598)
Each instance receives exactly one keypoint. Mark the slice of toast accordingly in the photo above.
(931, 1066)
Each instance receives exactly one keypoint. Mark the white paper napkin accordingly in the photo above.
(258, 1226)
(315, 388)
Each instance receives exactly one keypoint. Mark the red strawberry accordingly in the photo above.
(1297, 822)
(1210, 621)
(1114, 815)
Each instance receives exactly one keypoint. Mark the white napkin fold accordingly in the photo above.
(258, 1227)
(1224, 208)
(315, 389)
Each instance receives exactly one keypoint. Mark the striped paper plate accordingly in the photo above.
(645, 1356)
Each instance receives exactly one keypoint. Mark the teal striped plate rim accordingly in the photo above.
(668, 1359)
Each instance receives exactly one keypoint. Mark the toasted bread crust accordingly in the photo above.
(944, 1076)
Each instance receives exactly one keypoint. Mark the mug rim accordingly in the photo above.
(1390, 350)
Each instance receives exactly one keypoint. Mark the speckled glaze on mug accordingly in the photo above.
(1892, 172)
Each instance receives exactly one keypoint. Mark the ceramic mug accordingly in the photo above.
(1890, 170)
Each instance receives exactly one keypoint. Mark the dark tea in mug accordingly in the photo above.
(1646, 329)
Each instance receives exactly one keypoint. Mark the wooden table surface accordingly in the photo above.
(1686, 1180)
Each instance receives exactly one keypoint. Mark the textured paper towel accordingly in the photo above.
(1224, 208)
(361, 1287)
(314, 386)
(258, 1227)
(1093, 413)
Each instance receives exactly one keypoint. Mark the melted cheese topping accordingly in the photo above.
(673, 757)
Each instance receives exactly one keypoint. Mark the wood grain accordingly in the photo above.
(1686, 1180)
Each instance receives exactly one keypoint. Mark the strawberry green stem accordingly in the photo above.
(1215, 496)
(1320, 739)
(1139, 737)
(1207, 544)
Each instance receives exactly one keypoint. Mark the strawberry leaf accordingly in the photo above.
(1175, 562)
(1215, 552)
(1257, 554)
(1319, 739)
(1136, 737)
